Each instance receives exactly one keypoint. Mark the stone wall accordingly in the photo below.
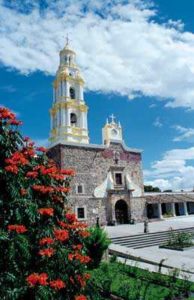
(92, 165)
(138, 209)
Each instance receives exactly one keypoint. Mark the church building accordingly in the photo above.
(108, 185)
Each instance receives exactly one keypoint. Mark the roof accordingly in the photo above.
(96, 146)
(169, 197)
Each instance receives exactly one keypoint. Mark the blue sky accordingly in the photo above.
(137, 58)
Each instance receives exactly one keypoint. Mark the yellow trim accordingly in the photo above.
(54, 136)
(65, 77)
(66, 105)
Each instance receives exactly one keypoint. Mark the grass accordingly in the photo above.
(132, 283)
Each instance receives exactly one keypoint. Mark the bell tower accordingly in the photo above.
(69, 111)
(112, 131)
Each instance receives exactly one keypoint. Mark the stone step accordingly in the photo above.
(145, 238)
(148, 239)
(154, 233)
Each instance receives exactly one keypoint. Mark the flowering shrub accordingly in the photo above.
(41, 242)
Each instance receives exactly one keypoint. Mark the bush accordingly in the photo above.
(180, 239)
(41, 242)
(96, 244)
(133, 283)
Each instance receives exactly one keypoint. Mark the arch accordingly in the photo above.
(121, 212)
(72, 93)
(73, 119)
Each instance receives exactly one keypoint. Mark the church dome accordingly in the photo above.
(67, 50)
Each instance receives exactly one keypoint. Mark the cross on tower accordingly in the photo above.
(67, 39)
(112, 118)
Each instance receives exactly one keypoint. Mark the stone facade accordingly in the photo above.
(96, 169)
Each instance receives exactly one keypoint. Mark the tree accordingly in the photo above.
(150, 188)
(41, 241)
(96, 244)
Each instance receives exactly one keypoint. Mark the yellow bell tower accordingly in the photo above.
(69, 111)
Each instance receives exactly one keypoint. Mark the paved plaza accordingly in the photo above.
(151, 257)
(155, 226)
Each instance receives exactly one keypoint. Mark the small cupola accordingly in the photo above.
(112, 131)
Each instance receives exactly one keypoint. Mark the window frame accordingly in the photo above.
(83, 189)
(85, 212)
(121, 176)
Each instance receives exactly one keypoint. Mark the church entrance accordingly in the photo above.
(121, 212)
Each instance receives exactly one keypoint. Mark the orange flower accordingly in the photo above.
(82, 279)
(43, 189)
(70, 256)
(84, 233)
(5, 113)
(36, 278)
(14, 122)
(80, 297)
(32, 174)
(71, 218)
(17, 158)
(62, 189)
(57, 284)
(43, 279)
(87, 276)
(17, 228)
(46, 211)
(12, 169)
(23, 192)
(68, 172)
(78, 247)
(41, 149)
(46, 241)
(61, 235)
(82, 258)
(47, 252)
(32, 279)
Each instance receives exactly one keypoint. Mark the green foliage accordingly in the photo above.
(150, 188)
(180, 239)
(132, 283)
(33, 207)
(96, 244)
(168, 215)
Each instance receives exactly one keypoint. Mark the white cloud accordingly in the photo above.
(174, 171)
(185, 134)
(121, 47)
(158, 123)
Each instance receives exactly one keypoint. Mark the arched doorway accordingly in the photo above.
(121, 212)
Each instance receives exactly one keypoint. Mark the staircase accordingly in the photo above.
(148, 239)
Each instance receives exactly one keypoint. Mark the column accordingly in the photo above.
(160, 211)
(63, 117)
(113, 214)
(80, 93)
(82, 120)
(68, 117)
(173, 209)
(185, 208)
(67, 86)
(64, 89)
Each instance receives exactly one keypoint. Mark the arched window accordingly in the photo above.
(72, 93)
(73, 119)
